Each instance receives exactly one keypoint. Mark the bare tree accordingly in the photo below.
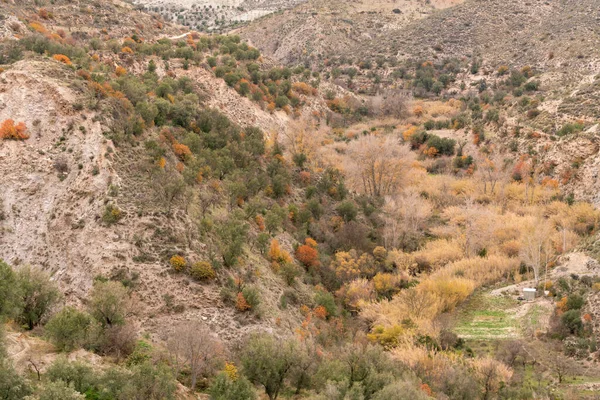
(193, 345)
(377, 165)
(536, 249)
(389, 103)
(405, 218)
(492, 169)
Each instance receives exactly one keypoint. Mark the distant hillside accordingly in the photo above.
(214, 15)
(513, 32)
(319, 30)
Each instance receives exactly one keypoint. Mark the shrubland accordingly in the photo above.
(371, 232)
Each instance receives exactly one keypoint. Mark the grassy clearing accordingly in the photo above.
(485, 317)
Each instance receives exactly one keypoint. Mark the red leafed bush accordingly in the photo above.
(9, 130)
(307, 254)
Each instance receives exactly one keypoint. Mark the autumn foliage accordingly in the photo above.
(10, 131)
(62, 58)
(240, 303)
(278, 256)
(307, 254)
(178, 263)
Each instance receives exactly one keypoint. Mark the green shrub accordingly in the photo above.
(289, 272)
(38, 293)
(69, 329)
(232, 234)
(109, 303)
(569, 129)
(572, 321)
(574, 302)
(326, 300)
(252, 296)
(150, 381)
(77, 375)
(12, 385)
(112, 214)
(282, 101)
(347, 210)
(57, 390)
(444, 146)
(141, 353)
(268, 361)
(10, 293)
(202, 271)
(225, 388)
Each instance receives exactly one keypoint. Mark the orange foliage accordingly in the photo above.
(181, 151)
(120, 71)
(241, 304)
(260, 221)
(84, 74)
(561, 305)
(178, 263)
(8, 130)
(43, 13)
(161, 162)
(62, 58)
(39, 28)
(310, 242)
(321, 312)
(418, 111)
(407, 134)
(278, 255)
(587, 317)
(426, 389)
(304, 88)
(305, 177)
(307, 254)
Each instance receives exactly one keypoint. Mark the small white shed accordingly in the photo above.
(529, 293)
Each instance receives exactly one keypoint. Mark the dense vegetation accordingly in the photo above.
(377, 230)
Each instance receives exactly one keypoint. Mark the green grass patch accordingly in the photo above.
(485, 317)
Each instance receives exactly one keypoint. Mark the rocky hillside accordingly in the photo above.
(318, 30)
(59, 183)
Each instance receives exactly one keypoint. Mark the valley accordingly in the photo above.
(238, 200)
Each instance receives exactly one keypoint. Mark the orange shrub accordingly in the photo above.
(277, 255)
(8, 130)
(305, 177)
(127, 50)
(178, 263)
(426, 389)
(240, 302)
(561, 305)
(181, 151)
(120, 71)
(307, 254)
(62, 58)
(418, 111)
(304, 89)
(43, 13)
(407, 134)
(260, 221)
(320, 312)
(39, 28)
(84, 74)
